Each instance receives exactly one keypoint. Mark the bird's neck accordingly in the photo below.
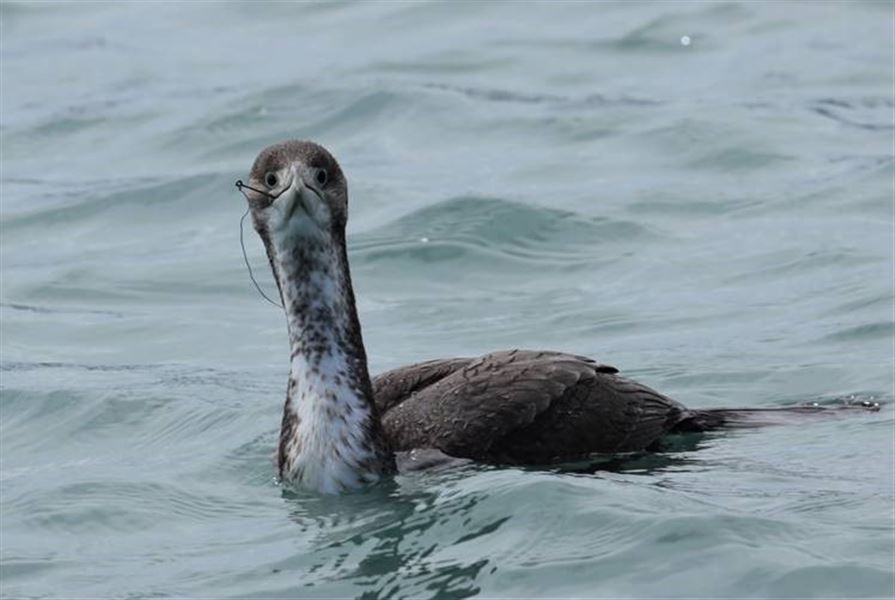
(331, 435)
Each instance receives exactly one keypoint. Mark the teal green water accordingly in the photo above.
(713, 218)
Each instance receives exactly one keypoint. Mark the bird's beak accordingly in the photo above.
(295, 193)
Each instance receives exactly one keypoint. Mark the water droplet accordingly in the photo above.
(424, 240)
(685, 40)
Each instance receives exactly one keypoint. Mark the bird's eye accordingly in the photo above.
(270, 180)
(321, 176)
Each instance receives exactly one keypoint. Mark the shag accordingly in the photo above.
(342, 430)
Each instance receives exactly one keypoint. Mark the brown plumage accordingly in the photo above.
(521, 406)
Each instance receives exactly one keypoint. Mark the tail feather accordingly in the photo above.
(710, 419)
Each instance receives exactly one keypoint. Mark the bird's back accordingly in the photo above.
(520, 407)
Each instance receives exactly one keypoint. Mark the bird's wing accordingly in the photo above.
(395, 386)
(602, 413)
(465, 407)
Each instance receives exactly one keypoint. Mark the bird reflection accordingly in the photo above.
(384, 540)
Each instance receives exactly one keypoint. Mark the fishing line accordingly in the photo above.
(239, 186)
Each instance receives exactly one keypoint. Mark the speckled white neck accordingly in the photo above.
(328, 439)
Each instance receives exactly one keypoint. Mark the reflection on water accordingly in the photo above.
(382, 541)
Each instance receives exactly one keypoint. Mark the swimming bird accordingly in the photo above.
(342, 430)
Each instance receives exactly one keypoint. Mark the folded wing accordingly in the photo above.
(520, 407)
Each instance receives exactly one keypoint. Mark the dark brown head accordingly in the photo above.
(304, 191)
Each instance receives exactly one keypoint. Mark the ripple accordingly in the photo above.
(520, 97)
(140, 196)
(874, 114)
(867, 331)
(257, 120)
(460, 229)
(787, 263)
(92, 507)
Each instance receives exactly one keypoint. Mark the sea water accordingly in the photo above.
(698, 193)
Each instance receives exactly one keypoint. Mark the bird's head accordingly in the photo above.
(296, 189)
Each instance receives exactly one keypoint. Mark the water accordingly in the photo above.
(714, 218)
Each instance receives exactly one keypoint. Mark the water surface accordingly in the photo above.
(712, 215)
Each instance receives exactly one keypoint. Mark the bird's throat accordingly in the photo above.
(330, 438)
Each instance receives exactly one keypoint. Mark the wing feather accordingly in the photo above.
(519, 406)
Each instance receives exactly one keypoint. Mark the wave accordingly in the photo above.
(466, 228)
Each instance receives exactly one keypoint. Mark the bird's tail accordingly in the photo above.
(710, 419)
